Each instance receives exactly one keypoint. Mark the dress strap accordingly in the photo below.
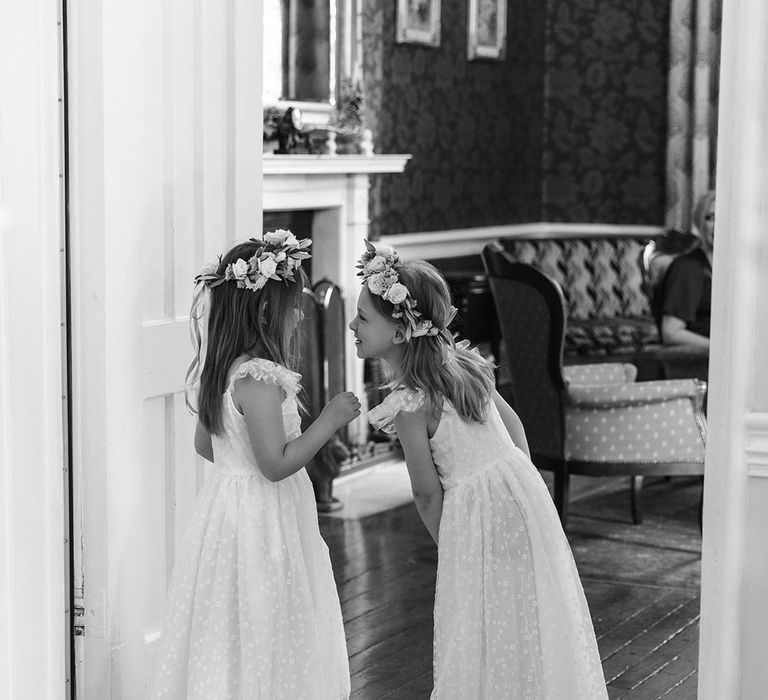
(269, 372)
(382, 416)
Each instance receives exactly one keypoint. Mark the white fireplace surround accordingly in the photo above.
(335, 188)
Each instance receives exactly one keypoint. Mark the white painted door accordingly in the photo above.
(33, 534)
(165, 165)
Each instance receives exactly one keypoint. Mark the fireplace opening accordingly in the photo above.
(324, 362)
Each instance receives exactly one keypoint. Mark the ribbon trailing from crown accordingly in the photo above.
(377, 268)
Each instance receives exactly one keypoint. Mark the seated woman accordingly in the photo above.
(687, 289)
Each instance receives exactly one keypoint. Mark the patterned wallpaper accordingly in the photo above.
(473, 127)
(606, 113)
(571, 126)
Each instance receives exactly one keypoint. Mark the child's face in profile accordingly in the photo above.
(374, 332)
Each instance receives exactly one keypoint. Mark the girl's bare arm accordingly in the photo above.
(511, 423)
(276, 456)
(425, 483)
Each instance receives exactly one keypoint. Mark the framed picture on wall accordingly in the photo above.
(487, 31)
(418, 22)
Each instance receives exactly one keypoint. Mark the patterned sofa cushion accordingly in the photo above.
(608, 311)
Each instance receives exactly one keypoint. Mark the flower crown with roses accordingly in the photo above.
(377, 268)
(278, 255)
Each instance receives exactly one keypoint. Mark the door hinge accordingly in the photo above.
(78, 624)
(89, 615)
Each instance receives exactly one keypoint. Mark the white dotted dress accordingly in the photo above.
(253, 610)
(511, 620)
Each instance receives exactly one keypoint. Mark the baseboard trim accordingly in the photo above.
(454, 243)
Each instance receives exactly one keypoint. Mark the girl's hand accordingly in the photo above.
(276, 456)
(340, 410)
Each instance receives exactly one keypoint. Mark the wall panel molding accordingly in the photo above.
(756, 447)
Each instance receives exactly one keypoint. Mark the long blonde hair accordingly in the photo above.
(435, 364)
(700, 211)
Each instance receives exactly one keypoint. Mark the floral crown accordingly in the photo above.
(278, 255)
(377, 268)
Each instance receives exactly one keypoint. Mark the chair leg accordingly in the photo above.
(562, 482)
(637, 502)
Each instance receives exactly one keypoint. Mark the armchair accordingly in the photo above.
(591, 421)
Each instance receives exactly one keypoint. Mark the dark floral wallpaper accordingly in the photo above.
(474, 127)
(571, 126)
(605, 111)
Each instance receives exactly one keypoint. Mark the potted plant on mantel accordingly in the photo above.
(272, 117)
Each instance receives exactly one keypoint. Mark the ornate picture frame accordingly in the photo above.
(487, 30)
(418, 22)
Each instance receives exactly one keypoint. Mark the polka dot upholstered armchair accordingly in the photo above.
(588, 419)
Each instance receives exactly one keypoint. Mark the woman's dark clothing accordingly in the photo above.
(687, 291)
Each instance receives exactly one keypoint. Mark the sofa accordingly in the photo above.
(609, 314)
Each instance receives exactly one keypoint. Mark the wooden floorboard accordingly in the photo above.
(641, 583)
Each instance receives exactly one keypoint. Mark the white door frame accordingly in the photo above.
(33, 515)
(734, 594)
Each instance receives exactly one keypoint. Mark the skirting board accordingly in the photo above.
(458, 242)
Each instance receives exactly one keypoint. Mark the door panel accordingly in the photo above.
(165, 155)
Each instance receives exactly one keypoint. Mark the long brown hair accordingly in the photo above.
(435, 364)
(241, 322)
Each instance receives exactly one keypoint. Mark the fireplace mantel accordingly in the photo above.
(335, 188)
(333, 165)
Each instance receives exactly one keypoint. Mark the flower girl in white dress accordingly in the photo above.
(253, 610)
(511, 620)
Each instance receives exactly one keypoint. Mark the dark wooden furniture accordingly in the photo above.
(617, 427)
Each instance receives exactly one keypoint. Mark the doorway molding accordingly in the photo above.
(734, 604)
(33, 512)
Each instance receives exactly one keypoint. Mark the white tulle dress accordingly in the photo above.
(253, 610)
(511, 620)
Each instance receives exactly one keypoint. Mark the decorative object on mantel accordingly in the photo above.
(487, 30)
(366, 143)
(351, 111)
(352, 137)
(418, 22)
(295, 138)
(330, 144)
(290, 135)
(272, 117)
